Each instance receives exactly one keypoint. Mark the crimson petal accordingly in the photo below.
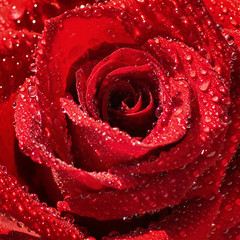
(190, 220)
(11, 229)
(7, 136)
(36, 142)
(15, 52)
(207, 87)
(135, 200)
(228, 216)
(225, 12)
(67, 48)
(191, 23)
(18, 203)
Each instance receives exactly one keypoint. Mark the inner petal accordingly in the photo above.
(120, 59)
(134, 114)
(127, 98)
(122, 90)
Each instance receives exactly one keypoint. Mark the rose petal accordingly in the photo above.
(210, 182)
(124, 57)
(11, 229)
(207, 87)
(87, 139)
(33, 108)
(20, 205)
(31, 14)
(191, 220)
(225, 12)
(7, 136)
(69, 45)
(135, 200)
(39, 111)
(229, 211)
(15, 52)
(191, 23)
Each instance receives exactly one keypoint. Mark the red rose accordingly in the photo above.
(131, 120)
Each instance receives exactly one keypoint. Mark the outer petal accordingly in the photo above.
(7, 136)
(229, 210)
(19, 204)
(11, 229)
(31, 14)
(15, 50)
(69, 45)
(191, 23)
(41, 140)
(61, 46)
(152, 195)
(191, 220)
(225, 12)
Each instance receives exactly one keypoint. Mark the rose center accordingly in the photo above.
(123, 91)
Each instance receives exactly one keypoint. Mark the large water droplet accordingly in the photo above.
(16, 12)
(234, 22)
(204, 85)
(32, 91)
(188, 57)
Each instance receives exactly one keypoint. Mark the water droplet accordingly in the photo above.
(204, 72)
(33, 67)
(221, 89)
(158, 112)
(25, 188)
(20, 224)
(188, 57)
(225, 10)
(207, 119)
(48, 132)
(177, 111)
(127, 219)
(196, 174)
(22, 89)
(228, 207)
(137, 32)
(230, 39)
(193, 73)
(234, 22)
(8, 43)
(111, 33)
(211, 154)
(17, 11)
(32, 91)
(97, 13)
(20, 208)
(60, 26)
(90, 238)
(87, 12)
(204, 85)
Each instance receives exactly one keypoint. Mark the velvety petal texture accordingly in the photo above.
(123, 114)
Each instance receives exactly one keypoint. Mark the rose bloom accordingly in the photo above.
(120, 119)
